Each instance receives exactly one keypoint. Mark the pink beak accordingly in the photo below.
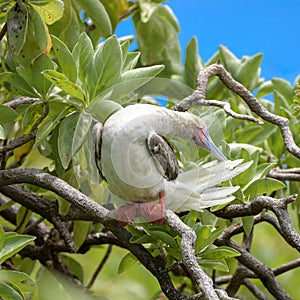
(204, 141)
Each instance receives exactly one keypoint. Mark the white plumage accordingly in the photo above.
(139, 164)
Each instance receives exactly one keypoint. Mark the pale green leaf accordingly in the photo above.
(192, 63)
(52, 11)
(106, 66)
(126, 262)
(96, 10)
(103, 109)
(65, 138)
(83, 53)
(82, 129)
(65, 59)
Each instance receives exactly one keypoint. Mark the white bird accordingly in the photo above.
(139, 164)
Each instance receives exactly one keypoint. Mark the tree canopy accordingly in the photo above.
(62, 69)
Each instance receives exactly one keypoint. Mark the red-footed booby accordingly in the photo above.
(139, 164)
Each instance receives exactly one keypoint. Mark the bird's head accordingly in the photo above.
(197, 132)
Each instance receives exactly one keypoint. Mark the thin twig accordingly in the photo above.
(99, 268)
(26, 138)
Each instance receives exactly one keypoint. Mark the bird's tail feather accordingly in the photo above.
(198, 188)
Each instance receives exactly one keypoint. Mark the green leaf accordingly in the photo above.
(103, 109)
(145, 239)
(131, 60)
(165, 237)
(17, 23)
(264, 89)
(96, 10)
(65, 138)
(83, 53)
(15, 83)
(41, 34)
(64, 84)
(19, 279)
(284, 88)
(74, 266)
(52, 11)
(162, 27)
(192, 63)
(229, 60)
(263, 186)
(205, 236)
(219, 253)
(219, 265)
(80, 231)
(7, 292)
(65, 59)
(249, 71)
(7, 114)
(132, 80)
(248, 222)
(13, 244)
(33, 74)
(82, 129)
(105, 67)
(126, 262)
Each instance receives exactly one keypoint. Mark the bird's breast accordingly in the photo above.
(128, 165)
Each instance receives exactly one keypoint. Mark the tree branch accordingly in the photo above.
(255, 106)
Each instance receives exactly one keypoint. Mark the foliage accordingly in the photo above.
(62, 59)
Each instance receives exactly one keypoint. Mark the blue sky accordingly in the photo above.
(245, 27)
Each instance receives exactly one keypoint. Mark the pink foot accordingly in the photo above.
(154, 212)
(126, 213)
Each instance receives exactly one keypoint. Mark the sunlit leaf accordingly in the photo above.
(52, 11)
